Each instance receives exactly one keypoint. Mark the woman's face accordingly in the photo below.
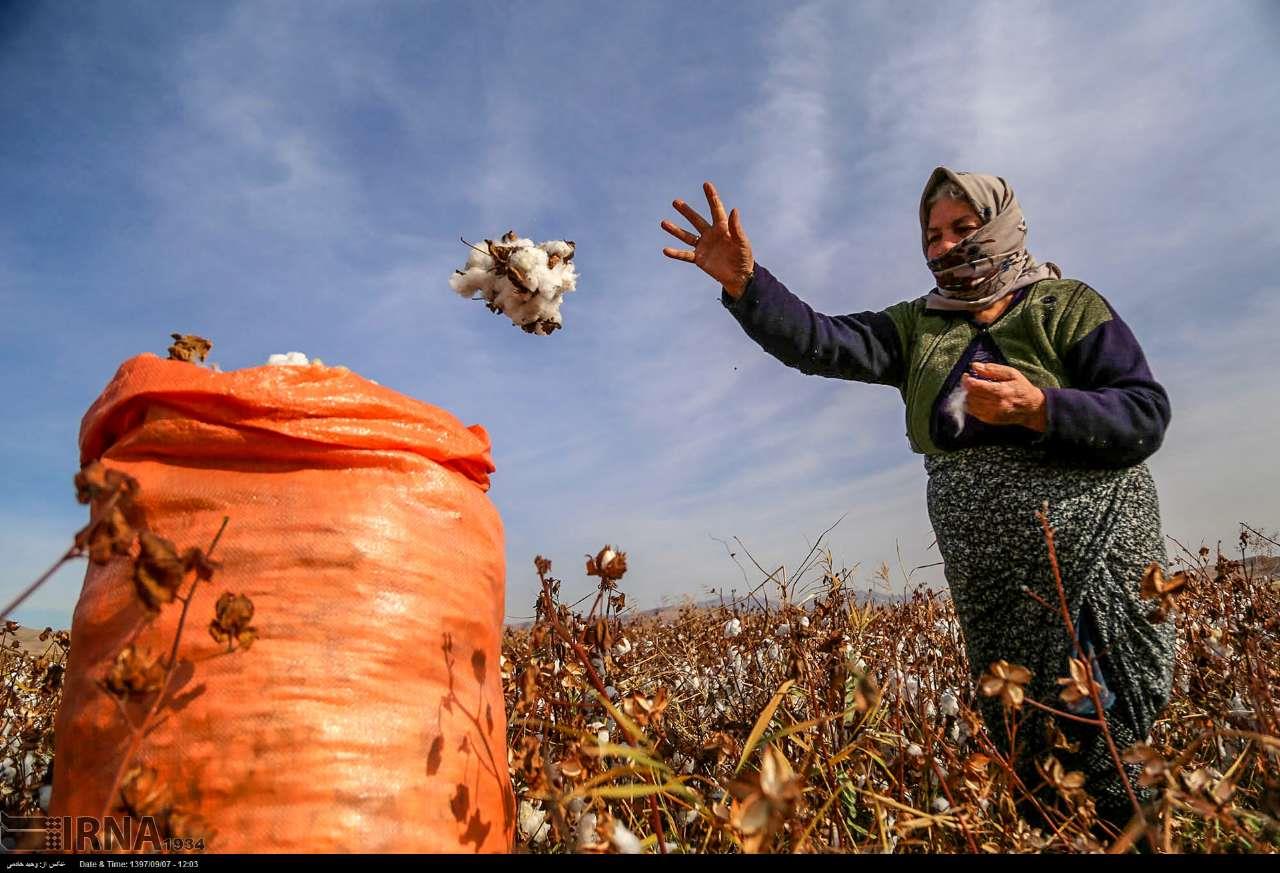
(949, 222)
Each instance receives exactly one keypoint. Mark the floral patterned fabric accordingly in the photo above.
(982, 504)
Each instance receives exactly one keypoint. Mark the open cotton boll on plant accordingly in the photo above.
(524, 281)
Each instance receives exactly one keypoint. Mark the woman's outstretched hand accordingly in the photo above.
(1004, 396)
(720, 247)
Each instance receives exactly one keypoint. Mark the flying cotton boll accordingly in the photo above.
(528, 258)
(479, 259)
(524, 281)
(956, 405)
(473, 280)
(557, 247)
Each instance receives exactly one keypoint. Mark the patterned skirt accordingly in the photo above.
(1106, 524)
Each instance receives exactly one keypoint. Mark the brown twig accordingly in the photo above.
(141, 729)
(72, 553)
(1094, 692)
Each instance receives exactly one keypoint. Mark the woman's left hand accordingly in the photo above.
(1008, 398)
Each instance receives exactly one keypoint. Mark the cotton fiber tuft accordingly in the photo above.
(520, 279)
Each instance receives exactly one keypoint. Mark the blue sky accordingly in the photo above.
(295, 176)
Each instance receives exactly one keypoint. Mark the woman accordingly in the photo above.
(1020, 387)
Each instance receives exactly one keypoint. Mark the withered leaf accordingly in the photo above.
(1156, 584)
(144, 794)
(643, 709)
(109, 536)
(202, 564)
(1076, 686)
(234, 612)
(157, 572)
(134, 675)
(189, 347)
(609, 564)
(1006, 681)
(96, 481)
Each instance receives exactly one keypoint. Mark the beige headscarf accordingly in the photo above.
(993, 260)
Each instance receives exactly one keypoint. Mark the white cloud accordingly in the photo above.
(788, 132)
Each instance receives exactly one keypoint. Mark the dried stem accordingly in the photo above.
(72, 553)
(141, 729)
(1094, 692)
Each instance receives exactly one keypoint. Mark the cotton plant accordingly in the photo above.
(523, 280)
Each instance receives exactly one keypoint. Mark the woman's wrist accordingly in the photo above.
(1037, 418)
(738, 286)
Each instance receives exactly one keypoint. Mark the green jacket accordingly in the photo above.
(1103, 407)
(1034, 335)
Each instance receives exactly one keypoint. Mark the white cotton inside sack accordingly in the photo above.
(956, 406)
(291, 359)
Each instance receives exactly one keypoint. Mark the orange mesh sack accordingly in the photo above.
(368, 715)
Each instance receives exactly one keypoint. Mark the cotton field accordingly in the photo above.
(809, 720)
(806, 719)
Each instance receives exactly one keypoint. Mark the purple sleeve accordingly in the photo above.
(863, 347)
(1117, 414)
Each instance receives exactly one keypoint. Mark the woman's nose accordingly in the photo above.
(942, 246)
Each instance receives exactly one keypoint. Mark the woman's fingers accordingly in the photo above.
(680, 233)
(699, 223)
(713, 201)
(982, 391)
(679, 254)
(735, 226)
(998, 372)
